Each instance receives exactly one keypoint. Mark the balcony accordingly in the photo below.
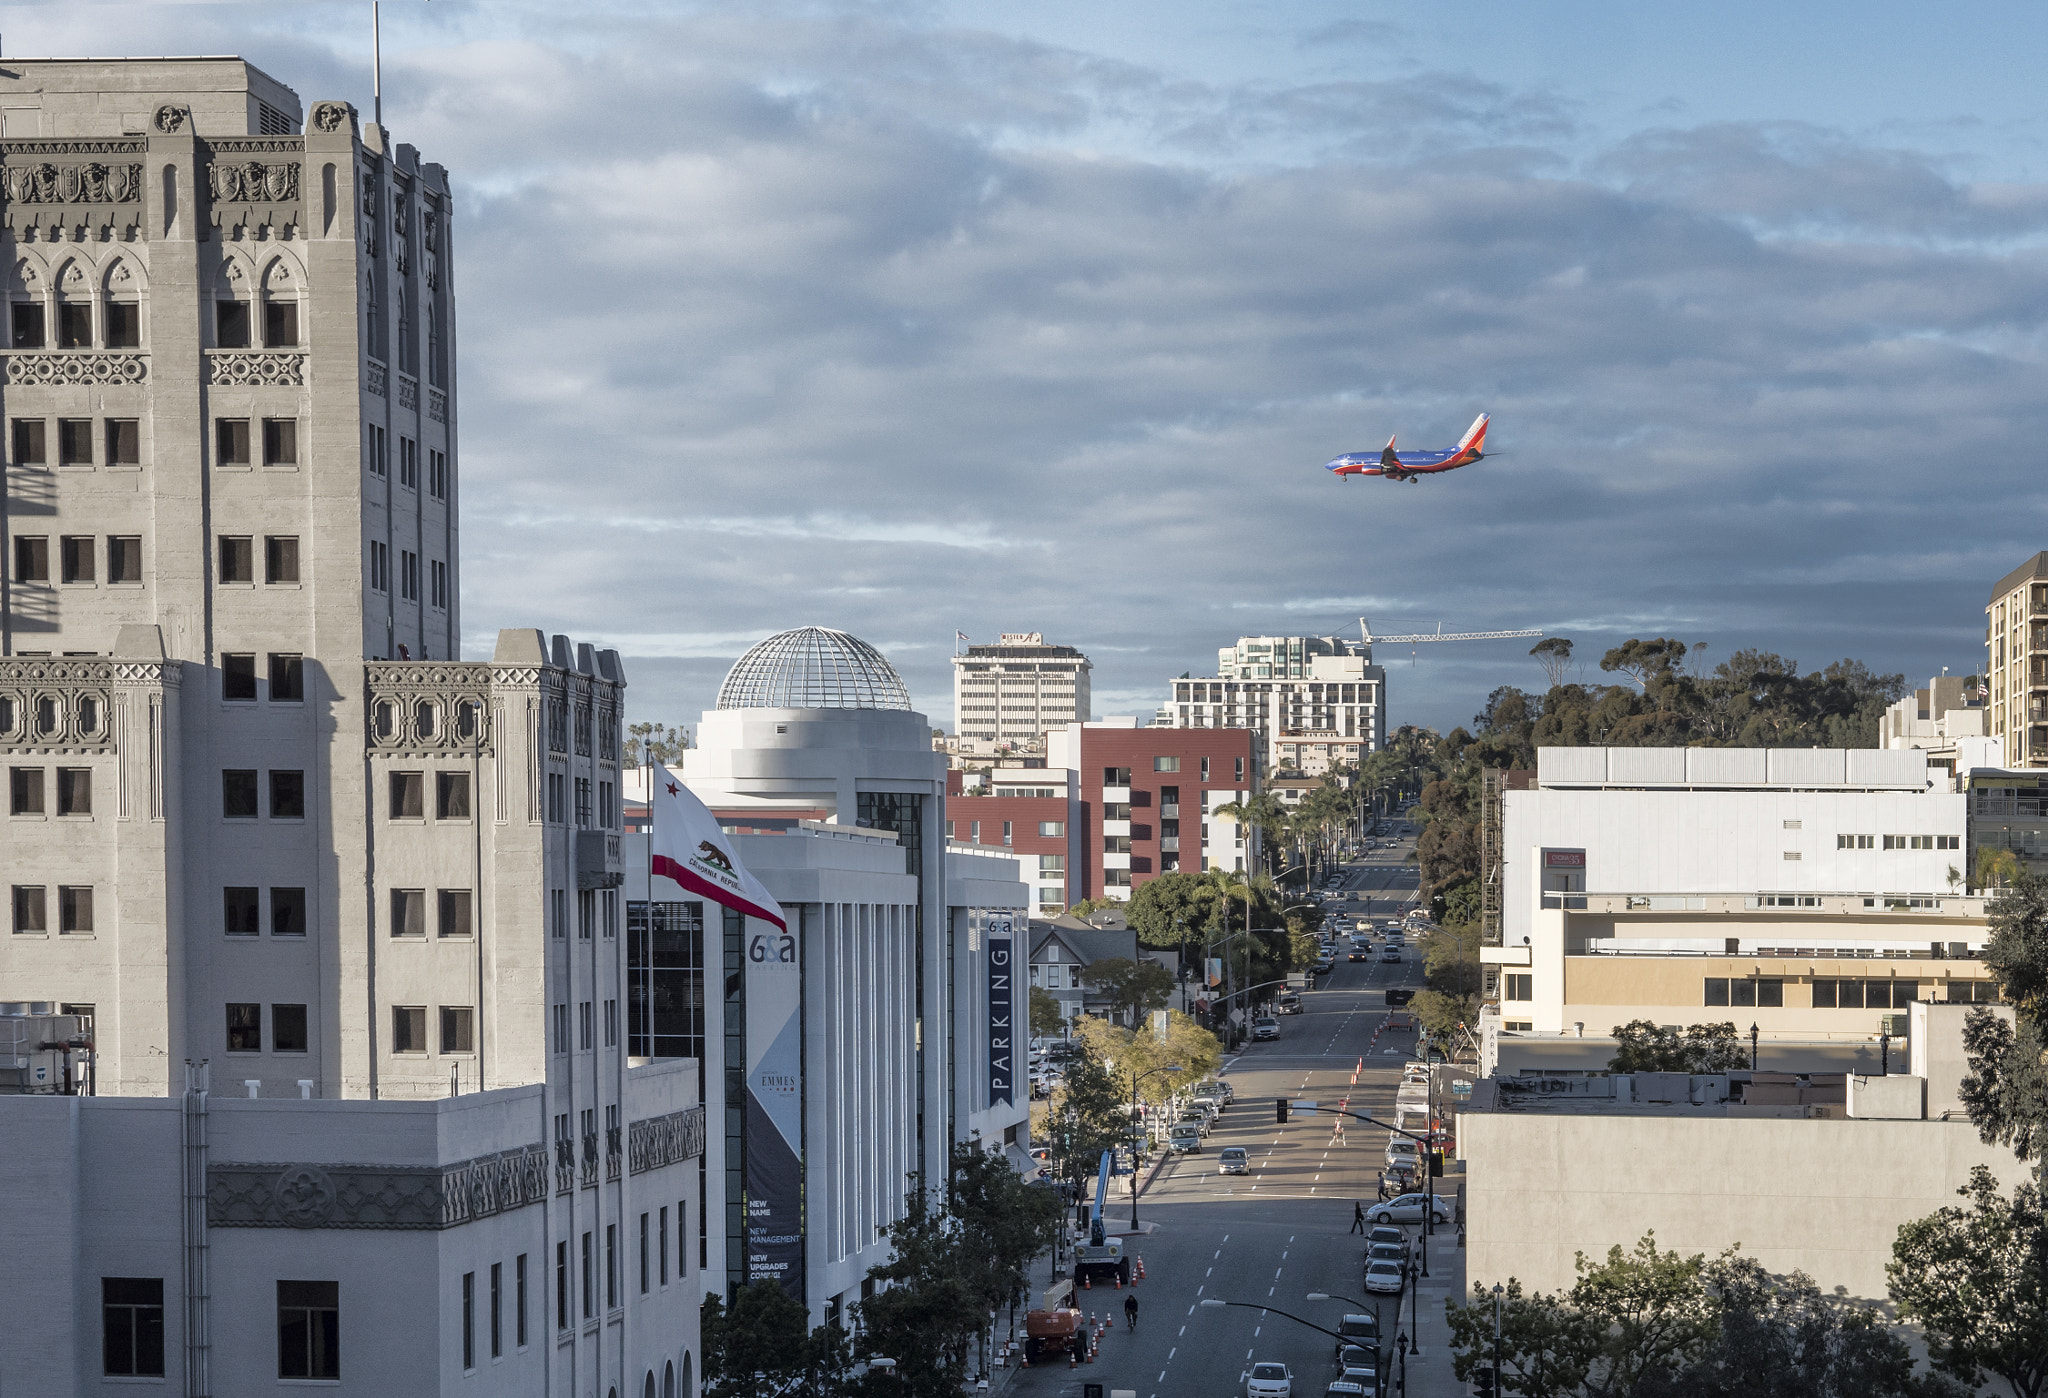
(1116, 796)
(1169, 844)
(1169, 810)
(1117, 861)
(1116, 827)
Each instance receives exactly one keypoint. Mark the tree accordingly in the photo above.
(1644, 1047)
(2006, 1089)
(931, 1311)
(1188, 1046)
(1088, 1113)
(1976, 1280)
(1091, 905)
(1046, 1016)
(761, 1347)
(1173, 909)
(1133, 988)
(654, 743)
(1554, 654)
(1004, 1223)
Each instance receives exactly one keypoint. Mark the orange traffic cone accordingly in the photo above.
(1073, 1360)
(1088, 1282)
(1141, 1269)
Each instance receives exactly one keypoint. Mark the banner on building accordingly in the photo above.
(1002, 1007)
(1215, 971)
(774, 1128)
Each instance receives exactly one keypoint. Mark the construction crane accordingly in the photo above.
(1365, 630)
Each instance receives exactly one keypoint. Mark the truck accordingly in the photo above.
(1055, 1328)
(1102, 1255)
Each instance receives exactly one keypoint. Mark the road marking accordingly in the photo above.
(1170, 1354)
(1183, 1329)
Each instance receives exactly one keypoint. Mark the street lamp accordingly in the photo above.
(1497, 1385)
(1753, 1032)
(1137, 1078)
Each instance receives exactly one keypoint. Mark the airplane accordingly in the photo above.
(1410, 465)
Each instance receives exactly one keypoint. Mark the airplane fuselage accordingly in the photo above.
(1407, 465)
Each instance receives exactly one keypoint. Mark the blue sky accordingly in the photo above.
(964, 316)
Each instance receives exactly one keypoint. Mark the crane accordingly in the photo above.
(1365, 630)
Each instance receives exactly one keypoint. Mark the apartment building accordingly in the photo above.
(265, 829)
(1316, 702)
(1948, 720)
(1033, 813)
(1016, 691)
(2016, 662)
(1146, 795)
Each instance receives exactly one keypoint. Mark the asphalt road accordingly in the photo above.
(1270, 1237)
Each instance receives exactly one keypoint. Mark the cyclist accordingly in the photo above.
(1131, 1311)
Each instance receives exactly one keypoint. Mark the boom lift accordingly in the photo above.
(1101, 1253)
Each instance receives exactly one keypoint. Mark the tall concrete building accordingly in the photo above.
(262, 820)
(1018, 690)
(2016, 662)
(1316, 702)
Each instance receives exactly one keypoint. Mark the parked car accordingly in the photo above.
(1402, 1151)
(1345, 1388)
(1407, 1208)
(1384, 1278)
(1199, 1121)
(1359, 1331)
(1386, 1233)
(1396, 1253)
(1233, 1161)
(1358, 1356)
(1269, 1380)
(1185, 1138)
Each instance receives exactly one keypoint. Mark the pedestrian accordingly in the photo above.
(1358, 1215)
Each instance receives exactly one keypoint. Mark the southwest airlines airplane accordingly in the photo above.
(1408, 465)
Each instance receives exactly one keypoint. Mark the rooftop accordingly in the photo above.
(813, 667)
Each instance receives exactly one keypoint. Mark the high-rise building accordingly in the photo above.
(1018, 690)
(2016, 662)
(265, 827)
(1316, 702)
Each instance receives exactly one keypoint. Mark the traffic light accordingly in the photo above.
(1280, 1110)
(1436, 1164)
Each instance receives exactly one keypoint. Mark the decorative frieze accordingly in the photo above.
(428, 706)
(63, 368)
(374, 1196)
(64, 703)
(257, 368)
(88, 182)
(373, 377)
(664, 1140)
(408, 394)
(252, 181)
(437, 405)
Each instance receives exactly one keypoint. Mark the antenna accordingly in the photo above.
(376, 65)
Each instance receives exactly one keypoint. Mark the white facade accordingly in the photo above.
(1950, 721)
(1316, 701)
(1015, 691)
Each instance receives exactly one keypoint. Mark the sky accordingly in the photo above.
(917, 318)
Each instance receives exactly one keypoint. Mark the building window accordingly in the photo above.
(74, 908)
(31, 559)
(238, 912)
(74, 791)
(231, 324)
(287, 1028)
(380, 567)
(25, 791)
(1166, 764)
(437, 474)
(31, 911)
(1794, 854)
(497, 1310)
(562, 1285)
(643, 1254)
(611, 1024)
(1520, 987)
(589, 1300)
(74, 441)
(231, 441)
(1886, 994)
(1745, 991)
(124, 559)
(455, 912)
(28, 325)
(408, 576)
(437, 581)
(469, 1320)
(124, 441)
(31, 442)
(74, 325)
(408, 790)
(238, 679)
(308, 1330)
(458, 1029)
(1116, 776)
(1205, 769)
(408, 912)
(287, 912)
(124, 325)
(519, 1300)
(408, 463)
(1052, 828)
(237, 559)
(661, 1248)
(287, 795)
(280, 441)
(451, 796)
(238, 794)
(76, 556)
(280, 558)
(408, 1028)
(611, 1266)
(281, 324)
(1240, 770)
(287, 679)
(1855, 841)
(132, 1327)
(245, 1027)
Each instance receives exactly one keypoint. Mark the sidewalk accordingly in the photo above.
(1429, 1373)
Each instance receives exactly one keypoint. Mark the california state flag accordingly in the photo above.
(691, 851)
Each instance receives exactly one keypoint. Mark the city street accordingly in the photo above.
(1282, 1231)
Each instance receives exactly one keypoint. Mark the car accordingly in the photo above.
(1400, 997)
(1407, 1208)
(1358, 1335)
(1233, 1161)
(1288, 1002)
(1364, 1377)
(1345, 1388)
(1396, 1253)
(1266, 1027)
(1358, 1356)
(1184, 1139)
(1386, 1233)
(1392, 953)
(1269, 1380)
(1195, 1121)
(1385, 1278)
(1361, 951)
(1401, 1150)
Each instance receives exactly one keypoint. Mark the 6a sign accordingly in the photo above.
(772, 947)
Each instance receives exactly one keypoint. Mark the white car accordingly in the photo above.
(1268, 1380)
(1407, 1208)
(1383, 1278)
(1266, 1028)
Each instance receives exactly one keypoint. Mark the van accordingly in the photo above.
(1185, 1138)
(1234, 1161)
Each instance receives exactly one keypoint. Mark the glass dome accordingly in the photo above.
(813, 667)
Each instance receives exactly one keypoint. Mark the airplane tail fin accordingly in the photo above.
(1387, 457)
(1475, 435)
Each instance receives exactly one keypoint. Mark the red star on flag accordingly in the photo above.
(673, 788)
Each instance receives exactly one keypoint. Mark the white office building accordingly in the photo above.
(1014, 692)
(1317, 702)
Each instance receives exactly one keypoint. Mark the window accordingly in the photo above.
(1116, 776)
(583, 1024)
(1794, 824)
(588, 1299)
(408, 576)
(287, 1028)
(74, 908)
(1166, 764)
(661, 1249)
(237, 559)
(458, 1029)
(280, 324)
(451, 796)
(557, 792)
(28, 326)
(1745, 991)
(231, 441)
(132, 1327)
(1887, 994)
(408, 1028)
(75, 553)
(407, 789)
(238, 912)
(287, 679)
(380, 568)
(558, 898)
(611, 1024)
(74, 441)
(245, 1027)
(280, 558)
(519, 1300)
(31, 912)
(25, 791)
(231, 324)
(124, 441)
(124, 325)
(31, 559)
(1948, 841)
(1855, 841)
(1794, 854)
(373, 450)
(1205, 769)
(561, 1028)
(238, 794)
(643, 1255)
(74, 791)
(1519, 987)
(437, 474)
(469, 1320)
(31, 444)
(280, 441)
(606, 816)
(497, 1310)
(1006, 832)
(408, 912)
(562, 1286)
(408, 463)
(611, 1266)
(238, 678)
(287, 912)
(74, 325)
(287, 795)
(1052, 828)
(1240, 769)
(437, 583)
(1116, 844)
(124, 559)
(308, 1330)
(1052, 864)
(455, 911)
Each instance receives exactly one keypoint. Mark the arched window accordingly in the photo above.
(25, 291)
(647, 1388)
(232, 328)
(121, 309)
(281, 296)
(688, 1389)
(74, 308)
(668, 1380)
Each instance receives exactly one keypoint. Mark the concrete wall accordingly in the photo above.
(1823, 1197)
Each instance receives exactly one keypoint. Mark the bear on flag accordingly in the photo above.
(691, 851)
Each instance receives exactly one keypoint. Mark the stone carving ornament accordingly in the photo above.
(251, 181)
(89, 183)
(305, 1196)
(261, 368)
(330, 116)
(171, 118)
(54, 369)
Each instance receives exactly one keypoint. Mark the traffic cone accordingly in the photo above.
(1073, 1360)
(1141, 1269)
(1087, 1282)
